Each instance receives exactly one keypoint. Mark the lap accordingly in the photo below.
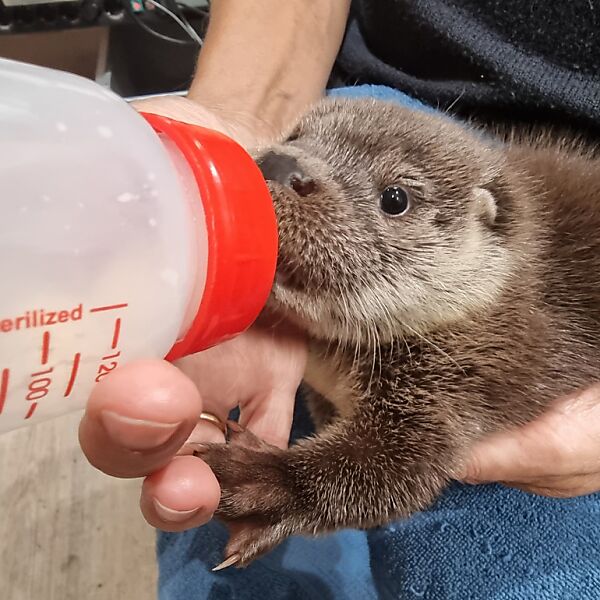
(476, 542)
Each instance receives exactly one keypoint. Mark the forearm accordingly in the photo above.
(267, 60)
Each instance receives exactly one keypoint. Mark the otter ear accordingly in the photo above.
(484, 205)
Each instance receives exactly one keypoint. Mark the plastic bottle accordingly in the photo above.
(122, 236)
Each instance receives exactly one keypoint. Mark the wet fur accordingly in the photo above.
(469, 315)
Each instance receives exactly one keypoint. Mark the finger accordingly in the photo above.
(270, 418)
(555, 487)
(179, 108)
(541, 448)
(205, 432)
(497, 458)
(138, 417)
(182, 495)
(555, 445)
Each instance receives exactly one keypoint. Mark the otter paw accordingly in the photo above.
(256, 496)
(248, 540)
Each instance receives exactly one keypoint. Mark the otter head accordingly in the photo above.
(388, 221)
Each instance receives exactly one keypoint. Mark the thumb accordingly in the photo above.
(501, 457)
(270, 417)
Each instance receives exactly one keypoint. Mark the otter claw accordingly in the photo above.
(228, 562)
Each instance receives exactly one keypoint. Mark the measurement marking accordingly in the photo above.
(115, 339)
(46, 372)
(31, 410)
(45, 347)
(113, 307)
(3, 387)
(73, 376)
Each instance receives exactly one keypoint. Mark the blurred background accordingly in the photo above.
(135, 47)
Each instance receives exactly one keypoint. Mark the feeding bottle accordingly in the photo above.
(122, 236)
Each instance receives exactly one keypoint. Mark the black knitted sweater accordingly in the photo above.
(516, 60)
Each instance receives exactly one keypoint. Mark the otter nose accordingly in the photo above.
(285, 170)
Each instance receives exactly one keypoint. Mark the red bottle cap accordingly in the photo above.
(242, 234)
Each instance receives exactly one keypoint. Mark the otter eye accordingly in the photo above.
(395, 201)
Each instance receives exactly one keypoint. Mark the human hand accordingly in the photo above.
(139, 418)
(556, 455)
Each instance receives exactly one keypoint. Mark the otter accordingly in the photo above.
(449, 284)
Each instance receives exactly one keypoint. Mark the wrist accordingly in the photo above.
(247, 118)
(260, 109)
(264, 63)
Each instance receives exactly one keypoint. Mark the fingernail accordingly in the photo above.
(171, 515)
(231, 560)
(136, 434)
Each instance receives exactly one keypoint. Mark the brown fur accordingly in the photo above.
(468, 315)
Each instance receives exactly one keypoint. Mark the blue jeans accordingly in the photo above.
(476, 543)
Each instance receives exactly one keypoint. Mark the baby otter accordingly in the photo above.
(450, 287)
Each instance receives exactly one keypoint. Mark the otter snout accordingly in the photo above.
(286, 170)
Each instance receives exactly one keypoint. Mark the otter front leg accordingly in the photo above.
(358, 473)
